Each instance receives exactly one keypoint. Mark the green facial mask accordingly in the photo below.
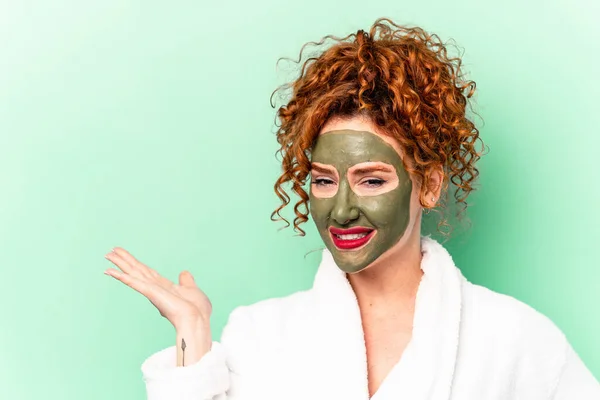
(387, 213)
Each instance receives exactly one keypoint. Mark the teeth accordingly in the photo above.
(351, 237)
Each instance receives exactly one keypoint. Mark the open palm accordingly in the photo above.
(179, 303)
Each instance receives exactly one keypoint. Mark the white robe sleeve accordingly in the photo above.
(214, 377)
(575, 380)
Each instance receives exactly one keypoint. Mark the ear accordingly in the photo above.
(432, 186)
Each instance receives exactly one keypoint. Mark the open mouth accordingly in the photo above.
(352, 238)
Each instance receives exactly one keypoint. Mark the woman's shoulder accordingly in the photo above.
(278, 307)
(521, 348)
(510, 321)
(274, 316)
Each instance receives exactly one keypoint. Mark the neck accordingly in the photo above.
(393, 280)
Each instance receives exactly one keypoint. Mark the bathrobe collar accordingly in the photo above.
(426, 368)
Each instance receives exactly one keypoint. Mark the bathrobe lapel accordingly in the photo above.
(426, 368)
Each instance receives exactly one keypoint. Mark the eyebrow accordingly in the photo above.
(321, 169)
(366, 170)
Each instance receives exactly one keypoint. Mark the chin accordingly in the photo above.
(352, 269)
(351, 263)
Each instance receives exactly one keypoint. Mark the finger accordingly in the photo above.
(130, 280)
(187, 279)
(123, 265)
(142, 268)
(152, 292)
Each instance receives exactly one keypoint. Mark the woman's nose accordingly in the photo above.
(345, 209)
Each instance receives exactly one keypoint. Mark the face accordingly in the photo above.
(360, 196)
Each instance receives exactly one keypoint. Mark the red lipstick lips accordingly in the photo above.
(360, 236)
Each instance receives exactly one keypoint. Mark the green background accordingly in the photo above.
(147, 125)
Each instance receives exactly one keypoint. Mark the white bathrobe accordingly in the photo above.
(468, 343)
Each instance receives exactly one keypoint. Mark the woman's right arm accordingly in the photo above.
(195, 368)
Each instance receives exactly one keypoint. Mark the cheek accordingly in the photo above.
(378, 210)
(319, 209)
(386, 209)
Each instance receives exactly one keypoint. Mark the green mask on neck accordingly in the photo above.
(363, 184)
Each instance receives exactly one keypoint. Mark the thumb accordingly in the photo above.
(186, 279)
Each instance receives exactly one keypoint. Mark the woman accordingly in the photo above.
(378, 123)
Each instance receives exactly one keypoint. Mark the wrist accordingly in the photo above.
(191, 324)
(193, 341)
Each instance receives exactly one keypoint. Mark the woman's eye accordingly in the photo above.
(323, 182)
(373, 182)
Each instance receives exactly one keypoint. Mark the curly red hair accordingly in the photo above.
(403, 80)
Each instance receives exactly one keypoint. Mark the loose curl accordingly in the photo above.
(403, 80)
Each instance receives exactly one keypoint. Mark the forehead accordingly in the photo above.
(345, 148)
